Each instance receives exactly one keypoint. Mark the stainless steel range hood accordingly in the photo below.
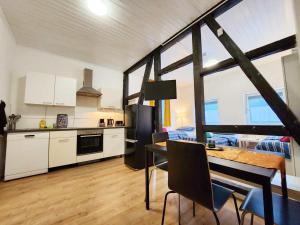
(87, 89)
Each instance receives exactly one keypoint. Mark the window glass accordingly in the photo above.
(211, 113)
(259, 112)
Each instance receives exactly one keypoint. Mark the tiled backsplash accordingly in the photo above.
(85, 114)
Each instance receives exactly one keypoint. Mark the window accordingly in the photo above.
(212, 113)
(259, 112)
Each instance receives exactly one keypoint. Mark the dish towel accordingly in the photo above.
(3, 120)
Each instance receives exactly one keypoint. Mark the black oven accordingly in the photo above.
(89, 141)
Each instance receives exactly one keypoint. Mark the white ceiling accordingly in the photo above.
(131, 29)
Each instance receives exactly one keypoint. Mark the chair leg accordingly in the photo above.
(236, 208)
(243, 217)
(151, 172)
(194, 209)
(165, 205)
(216, 217)
(252, 218)
(179, 216)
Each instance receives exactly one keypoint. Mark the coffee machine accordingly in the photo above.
(101, 123)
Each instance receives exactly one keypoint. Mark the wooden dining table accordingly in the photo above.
(250, 173)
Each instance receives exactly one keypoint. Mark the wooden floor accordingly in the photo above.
(101, 193)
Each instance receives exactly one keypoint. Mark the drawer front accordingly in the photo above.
(63, 134)
(62, 151)
(114, 131)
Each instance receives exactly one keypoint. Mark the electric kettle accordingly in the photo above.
(110, 122)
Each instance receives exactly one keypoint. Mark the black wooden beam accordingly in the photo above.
(248, 129)
(158, 103)
(133, 96)
(266, 50)
(275, 47)
(215, 11)
(198, 83)
(125, 89)
(283, 112)
(178, 64)
(145, 79)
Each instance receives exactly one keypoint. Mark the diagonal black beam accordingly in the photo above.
(284, 113)
(145, 79)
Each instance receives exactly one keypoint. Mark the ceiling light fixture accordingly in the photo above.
(210, 63)
(97, 7)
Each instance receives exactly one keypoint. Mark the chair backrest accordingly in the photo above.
(160, 137)
(188, 172)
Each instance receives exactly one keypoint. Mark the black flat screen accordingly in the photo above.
(160, 90)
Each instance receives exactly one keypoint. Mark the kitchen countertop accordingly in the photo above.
(60, 129)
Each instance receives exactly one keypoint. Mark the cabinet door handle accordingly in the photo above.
(64, 140)
(29, 136)
(58, 103)
(115, 136)
(47, 103)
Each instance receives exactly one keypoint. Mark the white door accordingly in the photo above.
(26, 153)
(65, 91)
(62, 148)
(39, 89)
(113, 142)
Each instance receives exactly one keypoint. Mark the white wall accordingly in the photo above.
(7, 50)
(85, 113)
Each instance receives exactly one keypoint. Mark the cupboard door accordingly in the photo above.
(39, 89)
(65, 91)
(62, 148)
(114, 142)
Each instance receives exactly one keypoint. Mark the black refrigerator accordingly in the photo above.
(139, 122)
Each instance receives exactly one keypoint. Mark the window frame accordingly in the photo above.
(256, 94)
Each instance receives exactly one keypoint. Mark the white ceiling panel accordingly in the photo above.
(130, 30)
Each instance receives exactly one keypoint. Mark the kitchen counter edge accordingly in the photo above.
(59, 129)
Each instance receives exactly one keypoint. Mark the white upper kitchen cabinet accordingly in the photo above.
(39, 89)
(65, 91)
(48, 89)
(111, 98)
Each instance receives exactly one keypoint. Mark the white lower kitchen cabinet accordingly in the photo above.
(62, 148)
(114, 142)
(26, 154)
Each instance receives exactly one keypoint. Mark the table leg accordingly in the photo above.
(268, 203)
(284, 184)
(147, 178)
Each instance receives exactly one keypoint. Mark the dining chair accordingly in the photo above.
(189, 176)
(159, 162)
(286, 211)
